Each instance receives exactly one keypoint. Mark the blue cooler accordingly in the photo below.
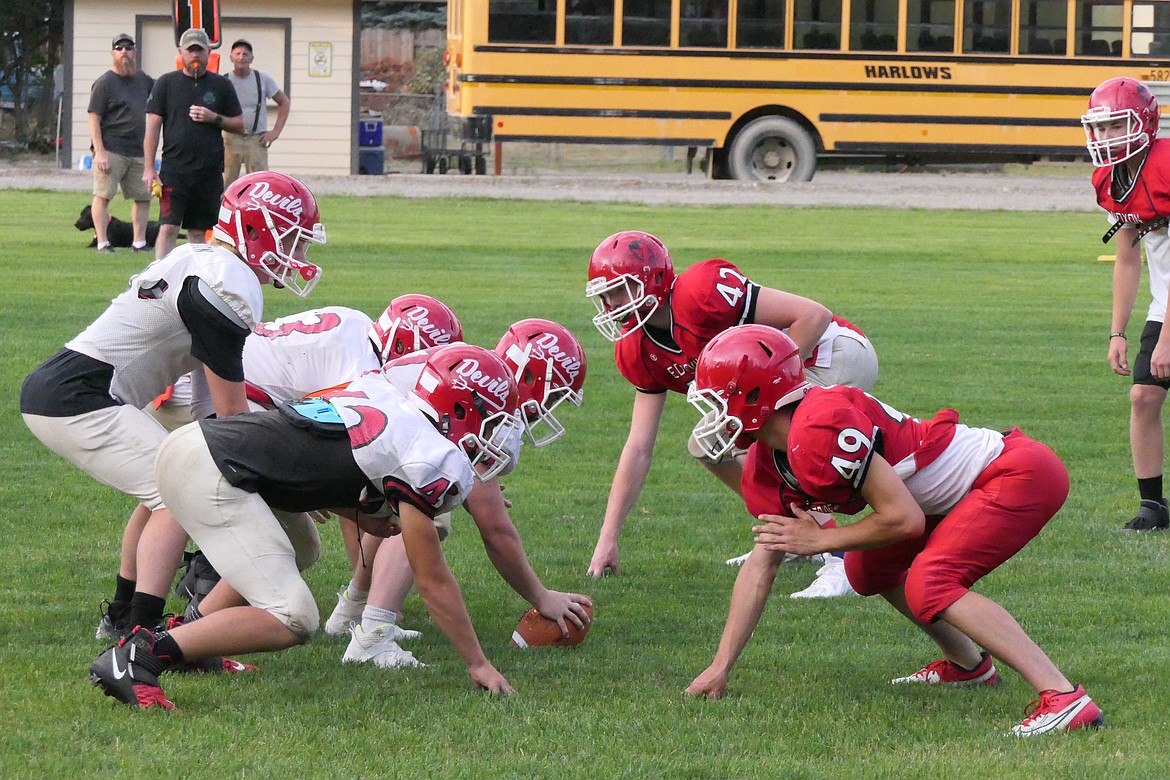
(371, 162)
(370, 131)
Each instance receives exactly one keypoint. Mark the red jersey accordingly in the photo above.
(1147, 199)
(712, 296)
(651, 365)
(834, 435)
(707, 299)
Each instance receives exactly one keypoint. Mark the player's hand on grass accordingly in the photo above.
(605, 560)
(486, 678)
(712, 683)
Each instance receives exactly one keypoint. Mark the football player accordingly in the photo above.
(190, 312)
(949, 504)
(661, 323)
(391, 462)
(315, 351)
(1132, 182)
(549, 365)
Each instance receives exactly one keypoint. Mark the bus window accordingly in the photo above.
(816, 24)
(589, 23)
(760, 24)
(1043, 24)
(930, 25)
(646, 23)
(987, 26)
(1098, 28)
(522, 21)
(873, 25)
(703, 23)
(1151, 29)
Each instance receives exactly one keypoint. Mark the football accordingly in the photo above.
(535, 630)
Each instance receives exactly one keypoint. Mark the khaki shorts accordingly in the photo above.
(260, 552)
(242, 150)
(115, 446)
(124, 171)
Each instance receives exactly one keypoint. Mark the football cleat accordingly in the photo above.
(740, 560)
(112, 624)
(944, 672)
(830, 581)
(215, 665)
(1151, 516)
(1056, 711)
(128, 671)
(346, 613)
(380, 645)
(199, 577)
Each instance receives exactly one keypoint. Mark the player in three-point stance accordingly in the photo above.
(950, 504)
(660, 323)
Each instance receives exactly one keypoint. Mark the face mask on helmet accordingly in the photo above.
(412, 323)
(1121, 121)
(630, 276)
(741, 377)
(469, 393)
(271, 219)
(549, 366)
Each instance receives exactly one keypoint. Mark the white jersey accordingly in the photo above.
(141, 333)
(400, 450)
(305, 353)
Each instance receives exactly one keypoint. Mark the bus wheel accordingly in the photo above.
(772, 148)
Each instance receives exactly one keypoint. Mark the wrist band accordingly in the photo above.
(1115, 335)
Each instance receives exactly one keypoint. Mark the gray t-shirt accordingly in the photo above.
(120, 101)
(246, 92)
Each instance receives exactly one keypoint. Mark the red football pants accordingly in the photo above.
(1011, 501)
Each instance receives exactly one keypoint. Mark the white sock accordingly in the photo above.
(104, 243)
(353, 594)
(137, 245)
(373, 617)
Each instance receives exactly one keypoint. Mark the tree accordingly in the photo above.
(32, 34)
(405, 15)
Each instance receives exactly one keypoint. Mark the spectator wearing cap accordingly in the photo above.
(189, 108)
(254, 88)
(117, 125)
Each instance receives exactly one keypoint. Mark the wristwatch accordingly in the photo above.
(219, 121)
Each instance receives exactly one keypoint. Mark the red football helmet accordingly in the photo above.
(271, 218)
(1115, 101)
(413, 322)
(549, 366)
(742, 376)
(630, 276)
(470, 395)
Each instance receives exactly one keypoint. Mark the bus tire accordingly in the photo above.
(772, 148)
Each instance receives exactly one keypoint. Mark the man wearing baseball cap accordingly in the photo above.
(190, 108)
(254, 88)
(117, 107)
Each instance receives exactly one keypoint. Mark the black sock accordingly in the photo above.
(166, 649)
(982, 658)
(146, 610)
(1150, 488)
(124, 590)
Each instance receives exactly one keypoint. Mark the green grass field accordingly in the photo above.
(1003, 316)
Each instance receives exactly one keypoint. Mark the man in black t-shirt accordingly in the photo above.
(190, 107)
(117, 125)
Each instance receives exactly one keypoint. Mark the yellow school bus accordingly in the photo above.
(767, 86)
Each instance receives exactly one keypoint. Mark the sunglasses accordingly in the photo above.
(124, 47)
